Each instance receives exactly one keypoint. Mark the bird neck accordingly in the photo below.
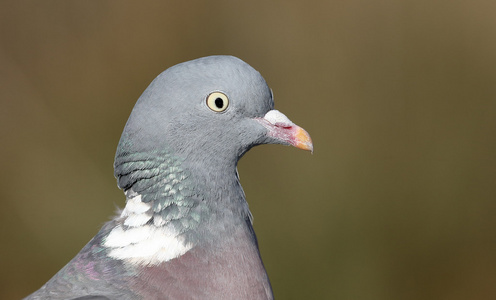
(172, 207)
(180, 185)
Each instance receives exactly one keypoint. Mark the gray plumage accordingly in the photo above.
(186, 231)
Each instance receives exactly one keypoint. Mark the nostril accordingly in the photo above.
(283, 125)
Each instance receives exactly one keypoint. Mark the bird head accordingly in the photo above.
(209, 112)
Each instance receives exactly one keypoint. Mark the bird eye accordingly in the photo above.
(217, 101)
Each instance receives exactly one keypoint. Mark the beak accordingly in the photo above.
(280, 128)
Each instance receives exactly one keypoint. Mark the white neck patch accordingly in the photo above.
(140, 243)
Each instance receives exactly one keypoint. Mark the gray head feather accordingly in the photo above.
(172, 117)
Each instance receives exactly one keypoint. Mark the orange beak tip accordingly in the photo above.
(302, 140)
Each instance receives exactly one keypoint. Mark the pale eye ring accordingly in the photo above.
(217, 101)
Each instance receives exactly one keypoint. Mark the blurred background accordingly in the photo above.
(397, 202)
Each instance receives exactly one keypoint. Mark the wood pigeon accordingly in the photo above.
(186, 230)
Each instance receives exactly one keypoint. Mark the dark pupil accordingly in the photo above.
(219, 103)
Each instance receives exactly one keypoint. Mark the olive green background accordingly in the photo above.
(397, 202)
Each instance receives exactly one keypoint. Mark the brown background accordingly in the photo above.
(398, 200)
